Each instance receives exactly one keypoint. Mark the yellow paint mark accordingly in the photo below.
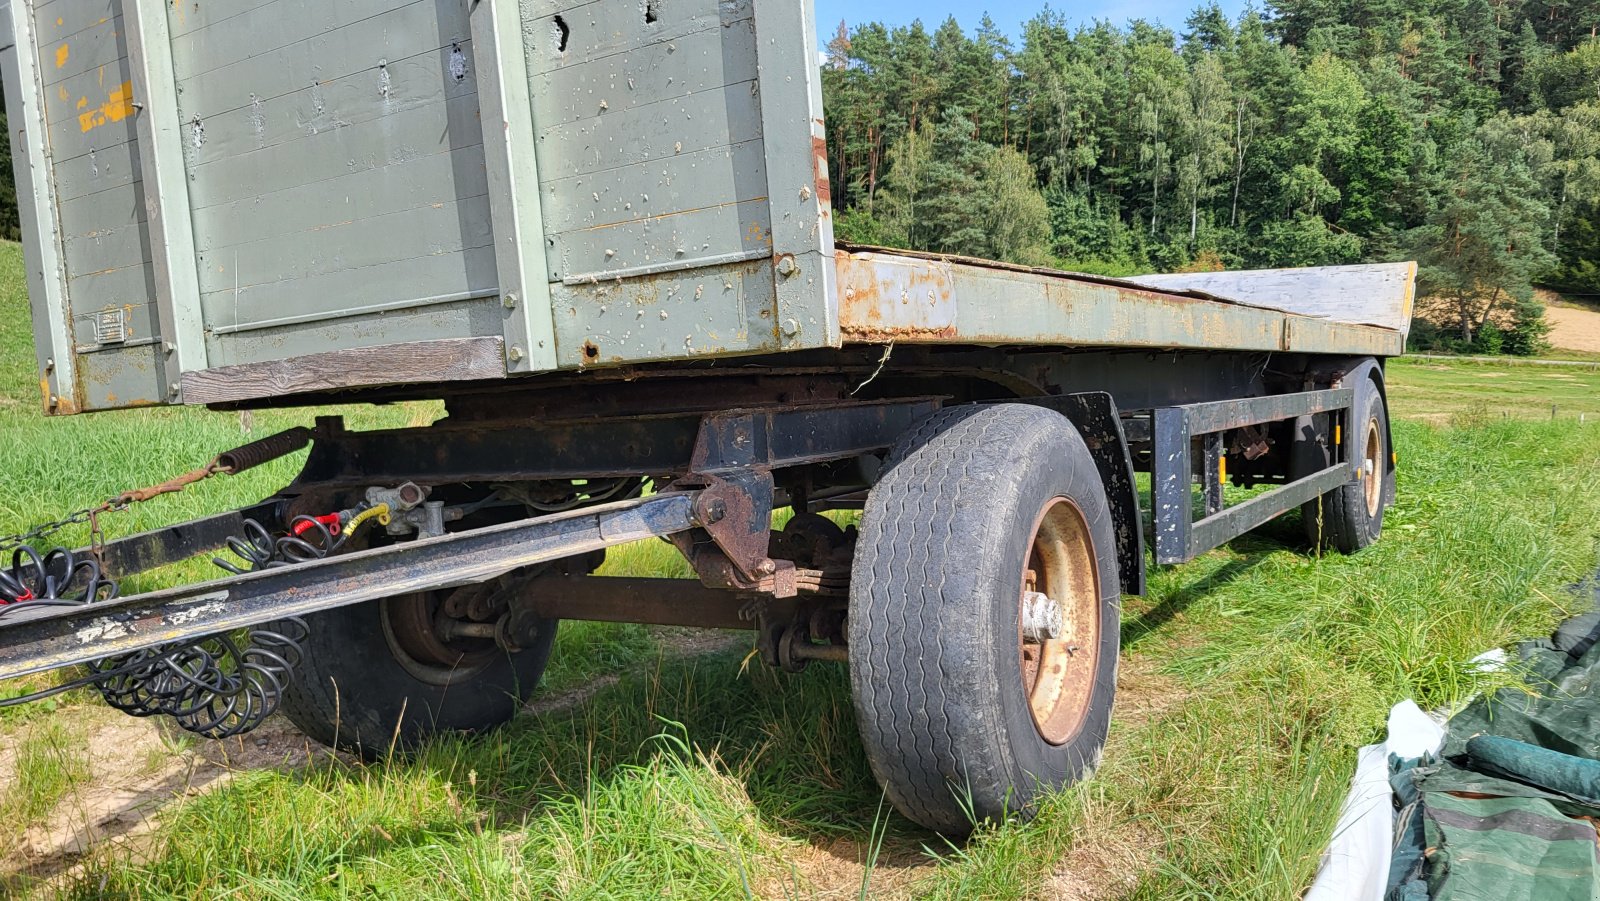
(118, 106)
(62, 52)
(100, 78)
(65, 97)
(1338, 434)
(1222, 469)
(60, 21)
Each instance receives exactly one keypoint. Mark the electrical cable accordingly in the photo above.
(216, 686)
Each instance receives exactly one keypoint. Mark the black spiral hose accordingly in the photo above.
(218, 686)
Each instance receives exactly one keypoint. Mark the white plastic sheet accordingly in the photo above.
(1356, 865)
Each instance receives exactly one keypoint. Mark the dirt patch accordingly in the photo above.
(1144, 693)
(1102, 866)
(139, 769)
(834, 868)
(1572, 328)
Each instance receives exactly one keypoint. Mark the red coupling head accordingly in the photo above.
(331, 521)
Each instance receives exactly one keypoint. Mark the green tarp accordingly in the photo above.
(1503, 816)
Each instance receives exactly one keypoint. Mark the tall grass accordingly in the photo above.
(50, 761)
(1273, 665)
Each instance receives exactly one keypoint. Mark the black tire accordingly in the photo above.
(358, 690)
(934, 622)
(1350, 517)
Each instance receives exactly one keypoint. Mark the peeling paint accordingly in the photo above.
(101, 629)
(118, 106)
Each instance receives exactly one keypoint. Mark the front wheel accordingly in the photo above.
(984, 613)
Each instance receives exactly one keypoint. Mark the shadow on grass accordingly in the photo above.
(686, 768)
(1249, 551)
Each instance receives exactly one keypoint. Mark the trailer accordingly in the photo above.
(600, 232)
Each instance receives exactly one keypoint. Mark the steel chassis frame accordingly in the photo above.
(719, 492)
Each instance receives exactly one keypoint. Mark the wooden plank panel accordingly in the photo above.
(703, 178)
(101, 169)
(113, 208)
(187, 18)
(674, 241)
(100, 44)
(717, 118)
(354, 100)
(331, 154)
(269, 28)
(59, 19)
(140, 324)
(711, 311)
(429, 361)
(353, 292)
(113, 287)
(699, 62)
(344, 199)
(606, 28)
(426, 231)
(106, 248)
(401, 325)
(409, 31)
(91, 110)
(121, 377)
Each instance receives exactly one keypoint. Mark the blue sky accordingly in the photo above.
(1008, 14)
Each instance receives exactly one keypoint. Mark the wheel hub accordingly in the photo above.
(1058, 632)
(1372, 468)
(1041, 618)
(410, 623)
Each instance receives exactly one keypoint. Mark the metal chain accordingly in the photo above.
(91, 515)
(11, 542)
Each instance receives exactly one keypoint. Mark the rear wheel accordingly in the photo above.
(378, 675)
(983, 623)
(1350, 517)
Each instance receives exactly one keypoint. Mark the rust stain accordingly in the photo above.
(819, 153)
(62, 52)
(881, 303)
(872, 335)
(118, 106)
(65, 405)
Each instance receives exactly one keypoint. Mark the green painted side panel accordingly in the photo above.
(581, 183)
(97, 210)
(336, 172)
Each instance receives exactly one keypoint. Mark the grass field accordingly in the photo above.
(656, 767)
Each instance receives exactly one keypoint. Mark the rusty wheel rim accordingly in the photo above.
(1058, 673)
(409, 625)
(1372, 468)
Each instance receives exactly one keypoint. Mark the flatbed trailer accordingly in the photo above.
(600, 232)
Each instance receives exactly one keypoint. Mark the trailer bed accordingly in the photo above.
(306, 198)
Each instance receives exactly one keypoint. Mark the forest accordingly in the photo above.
(1464, 134)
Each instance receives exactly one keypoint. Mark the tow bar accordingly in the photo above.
(56, 637)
